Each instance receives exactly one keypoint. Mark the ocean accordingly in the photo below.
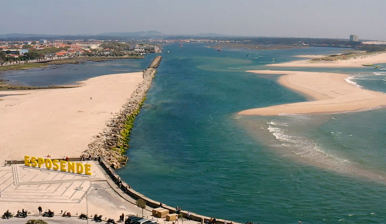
(189, 148)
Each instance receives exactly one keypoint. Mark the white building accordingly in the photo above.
(354, 38)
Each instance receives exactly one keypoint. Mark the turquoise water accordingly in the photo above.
(190, 149)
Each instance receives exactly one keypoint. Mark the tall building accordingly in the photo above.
(354, 38)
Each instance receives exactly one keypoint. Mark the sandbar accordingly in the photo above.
(329, 92)
(354, 62)
(61, 122)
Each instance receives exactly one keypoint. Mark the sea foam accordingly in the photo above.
(350, 81)
(303, 147)
(379, 73)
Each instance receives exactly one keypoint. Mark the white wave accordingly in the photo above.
(277, 123)
(279, 134)
(379, 73)
(305, 148)
(350, 81)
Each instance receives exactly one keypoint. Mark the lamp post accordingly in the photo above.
(86, 192)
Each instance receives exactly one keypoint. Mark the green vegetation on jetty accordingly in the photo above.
(113, 143)
(124, 139)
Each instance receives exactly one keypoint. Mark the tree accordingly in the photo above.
(141, 203)
(33, 54)
(3, 57)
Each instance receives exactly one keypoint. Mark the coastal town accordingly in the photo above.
(29, 51)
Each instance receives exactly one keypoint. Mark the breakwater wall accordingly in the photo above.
(129, 191)
(112, 142)
(152, 203)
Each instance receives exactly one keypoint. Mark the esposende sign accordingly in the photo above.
(61, 165)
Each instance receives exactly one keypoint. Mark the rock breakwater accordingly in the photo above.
(112, 143)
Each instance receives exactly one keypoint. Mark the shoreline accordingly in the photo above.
(330, 93)
(76, 60)
(104, 186)
(83, 119)
(315, 61)
(112, 143)
(6, 86)
(61, 122)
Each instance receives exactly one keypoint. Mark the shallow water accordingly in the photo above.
(190, 149)
(72, 73)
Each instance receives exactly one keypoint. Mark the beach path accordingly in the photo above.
(61, 122)
(329, 92)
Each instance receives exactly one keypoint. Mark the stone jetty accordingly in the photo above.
(106, 144)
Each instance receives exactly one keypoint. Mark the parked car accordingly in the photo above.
(141, 221)
(150, 222)
(132, 219)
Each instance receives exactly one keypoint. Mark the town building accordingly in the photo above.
(354, 38)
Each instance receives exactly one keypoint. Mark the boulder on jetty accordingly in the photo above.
(107, 144)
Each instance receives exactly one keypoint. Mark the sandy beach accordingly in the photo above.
(60, 122)
(330, 92)
(310, 56)
(352, 62)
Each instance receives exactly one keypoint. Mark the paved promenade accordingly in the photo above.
(28, 188)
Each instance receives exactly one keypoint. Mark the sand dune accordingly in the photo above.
(60, 122)
(331, 93)
(352, 62)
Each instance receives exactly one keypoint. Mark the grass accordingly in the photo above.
(124, 138)
(6, 86)
(22, 66)
(343, 56)
(123, 142)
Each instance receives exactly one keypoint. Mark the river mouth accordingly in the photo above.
(189, 149)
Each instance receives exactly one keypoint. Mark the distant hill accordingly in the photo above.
(151, 33)
(102, 36)
(23, 35)
(211, 35)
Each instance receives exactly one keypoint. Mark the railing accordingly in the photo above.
(126, 188)
(10, 162)
(152, 203)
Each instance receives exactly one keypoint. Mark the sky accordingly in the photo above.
(270, 18)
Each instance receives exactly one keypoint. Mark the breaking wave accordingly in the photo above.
(307, 151)
(301, 146)
(350, 81)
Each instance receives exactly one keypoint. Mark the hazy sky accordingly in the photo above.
(294, 18)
